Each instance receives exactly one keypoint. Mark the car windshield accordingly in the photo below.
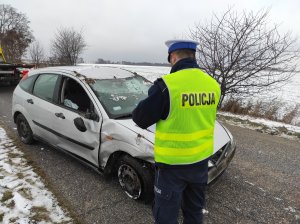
(120, 96)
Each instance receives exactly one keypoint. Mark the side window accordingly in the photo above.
(74, 96)
(44, 86)
(27, 83)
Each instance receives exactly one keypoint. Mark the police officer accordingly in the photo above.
(183, 105)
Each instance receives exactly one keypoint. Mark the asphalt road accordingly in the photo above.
(261, 185)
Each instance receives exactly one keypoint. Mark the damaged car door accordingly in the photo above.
(77, 121)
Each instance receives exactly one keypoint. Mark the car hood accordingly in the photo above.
(220, 133)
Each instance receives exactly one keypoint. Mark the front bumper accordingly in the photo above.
(220, 161)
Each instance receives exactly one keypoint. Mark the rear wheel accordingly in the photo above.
(136, 178)
(24, 130)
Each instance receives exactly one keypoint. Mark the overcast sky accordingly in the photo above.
(135, 30)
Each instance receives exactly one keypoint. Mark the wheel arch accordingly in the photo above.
(112, 162)
(16, 113)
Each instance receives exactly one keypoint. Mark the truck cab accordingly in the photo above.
(10, 73)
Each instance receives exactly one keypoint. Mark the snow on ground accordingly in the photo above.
(23, 196)
(261, 125)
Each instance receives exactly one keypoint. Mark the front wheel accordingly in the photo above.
(24, 130)
(136, 178)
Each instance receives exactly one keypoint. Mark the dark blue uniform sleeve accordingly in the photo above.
(153, 108)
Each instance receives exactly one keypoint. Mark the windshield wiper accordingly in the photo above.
(124, 116)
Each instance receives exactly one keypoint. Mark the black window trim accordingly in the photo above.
(57, 91)
(35, 76)
(60, 104)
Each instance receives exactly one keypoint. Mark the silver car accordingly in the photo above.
(86, 112)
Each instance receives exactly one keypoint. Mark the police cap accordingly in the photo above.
(174, 45)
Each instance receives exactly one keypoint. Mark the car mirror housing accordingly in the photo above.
(91, 116)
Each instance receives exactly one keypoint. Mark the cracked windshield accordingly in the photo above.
(120, 96)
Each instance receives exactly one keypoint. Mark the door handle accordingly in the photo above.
(61, 115)
(30, 101)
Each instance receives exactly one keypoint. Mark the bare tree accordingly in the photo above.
(67, 46)
(36, 52)
(243, 54)
(15, 34)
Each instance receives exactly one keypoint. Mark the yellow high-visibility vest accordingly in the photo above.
(187, 135)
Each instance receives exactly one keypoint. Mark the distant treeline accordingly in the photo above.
(102, 61)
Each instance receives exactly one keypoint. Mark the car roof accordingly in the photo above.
(88, 71)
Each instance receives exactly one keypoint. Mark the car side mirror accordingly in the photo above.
(91, 116)
(80, 124)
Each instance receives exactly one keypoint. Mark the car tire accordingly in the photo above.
(136, 178)
(24, 130)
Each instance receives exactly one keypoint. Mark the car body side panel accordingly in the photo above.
(36, 113)
(18, 105)
(220, 137)
(115, 137)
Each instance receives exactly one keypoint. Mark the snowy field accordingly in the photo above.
(24, 199)
(288, 95)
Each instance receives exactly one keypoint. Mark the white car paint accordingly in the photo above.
(105, 136)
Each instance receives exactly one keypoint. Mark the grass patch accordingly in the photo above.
(31, 182)
(297, 135)
(1, 217)
(6, 196)
(13, 220)
(283, 129)
(254, 124)
(20, 175)
(14, 155)
(25, 193)
(11, 205)
(10, 162)
(40, 214)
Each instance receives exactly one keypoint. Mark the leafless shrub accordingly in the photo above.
(257, 109)
(290, 116)
(67, 45)
(235, 106)
(36, 52)
(232, 106)
(268, 110)
(271, 111)
(248, 108)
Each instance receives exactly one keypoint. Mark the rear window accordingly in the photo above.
(27, 83)
(44, 86)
